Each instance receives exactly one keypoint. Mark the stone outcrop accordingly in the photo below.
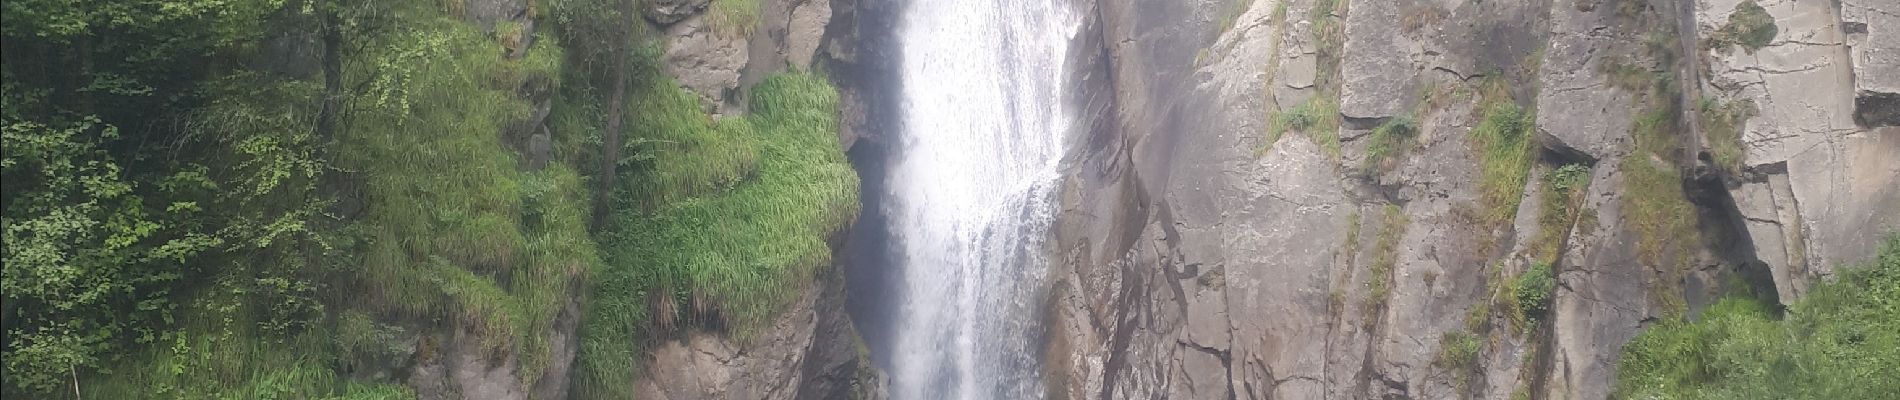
(1818, 179)
(705, 61)
(810, 352)
(1377, 65)
(720, 63)
(1201, 262)
(667, 12)
(1872, 28)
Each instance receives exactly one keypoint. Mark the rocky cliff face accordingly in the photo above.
(1217, 245)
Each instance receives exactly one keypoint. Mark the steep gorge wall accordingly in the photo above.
(1204, 261)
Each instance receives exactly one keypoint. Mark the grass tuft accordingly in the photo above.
(1506, 150)
(1389, 139)
(734, 18)
(1458, 352)
(1385, 256)
(1722, 123)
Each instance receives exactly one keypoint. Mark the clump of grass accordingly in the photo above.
(1626, 74)
(1748, 26)
(1317, 118)
(1722, 123)
(1417, 17)
(1389, 139)
(220, 351)
(679, 152)
(1230, 13)
(1458, 352)
(734, 18)
(1506, 150)
(1385, 256)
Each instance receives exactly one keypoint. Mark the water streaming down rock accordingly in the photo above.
(983, 116)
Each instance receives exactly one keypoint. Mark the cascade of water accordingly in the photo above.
(983, 116)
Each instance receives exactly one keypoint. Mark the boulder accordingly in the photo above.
(1376, 71)
(668, 12)
(1873, 33)
(705, 62)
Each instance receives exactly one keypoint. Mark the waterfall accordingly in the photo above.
(972, 192)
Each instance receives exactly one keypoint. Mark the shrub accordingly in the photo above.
(1842, 341)
(1532, 291)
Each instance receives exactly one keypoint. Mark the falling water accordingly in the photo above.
(983, 116)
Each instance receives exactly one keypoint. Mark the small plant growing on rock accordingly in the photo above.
(1389, 139)
(1722, 122)
(1458, 353)
(1532, 292)
(1749, 26)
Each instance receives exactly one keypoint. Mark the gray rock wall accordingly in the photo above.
(1202, 262)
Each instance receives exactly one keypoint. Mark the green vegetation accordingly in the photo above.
(1506, 151)
(1531, 294)
(1389, 139)
(1722, 124)
(1458, 352)
(1560, 205)
(1385, 256)
(1655, 206)
(1230, 13)
(1317, 117)
(197, 207)
(744, 235)
(1748, 26)
(734, 18)
(1841, 341)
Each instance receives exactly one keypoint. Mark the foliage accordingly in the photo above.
(177, 226)
(452, 226)
(1655, 205)
(1560, 206)
(1532, 293)
(1748, 26)
(725, 237)
(1506, 151)
(1230, 12)
(1842, 341)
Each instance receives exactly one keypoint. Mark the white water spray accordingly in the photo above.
(983, 117)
